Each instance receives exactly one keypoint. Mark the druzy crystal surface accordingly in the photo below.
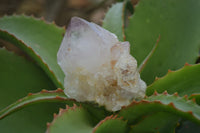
(98, 67)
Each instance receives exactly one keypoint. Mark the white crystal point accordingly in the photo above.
(98, 67)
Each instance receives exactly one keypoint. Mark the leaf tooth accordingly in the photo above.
(165, 93)
(30, 94)
(111, 117)
(169, 71)
(187, 64)
(59, 90)
(172, 104)
(67, 107)
(55, 115)
(143, 101)
(124, 37)
(74, 106)
(156, 78)
(114, 117)
(64, 27)
(60, 111)
(186, 97)
(190, 112)
(193, 100)
(176, 94)
(48, 124)
(44, 91)
(155, 93)
(58, 97)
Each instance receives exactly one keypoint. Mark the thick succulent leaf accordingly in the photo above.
(111, 124)
(18, 77)
(177, 23)
(43, 96)
(185, 81)
(114, 20)
(58, 96)
(188, 127)
(38, 39)
(71, 120)
(196, 98)
(173, 104)
(160, 122)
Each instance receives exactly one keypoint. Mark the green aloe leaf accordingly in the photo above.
(30, 99)
(196, 98)
(185, 81)
(177, 106)
(160, 122)
(38, 39)
(114, 20)
(188, 127)
(177, 23)
(18, 77)
(71, 120)
(56, 96)
(111, 124)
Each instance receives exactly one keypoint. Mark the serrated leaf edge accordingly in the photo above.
(22, 44)
(57, 95)
(111, 117)
(61, 112)
(171, 104)
(186, 65)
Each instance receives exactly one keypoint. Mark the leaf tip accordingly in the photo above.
(169, 71)
(172, 104)
(59, 90)
(186, 97)
(156, 78)
(165, 93)
(54, 115)
(155, 93)
(187, 64)
(30, 94)
(190, 112)
(60, 110)
(193, 100)
(176, 94)
(48, 124)
(44, 91)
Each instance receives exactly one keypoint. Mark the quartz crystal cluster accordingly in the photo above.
(98, 67)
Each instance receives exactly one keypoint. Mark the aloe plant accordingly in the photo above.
(32, 96)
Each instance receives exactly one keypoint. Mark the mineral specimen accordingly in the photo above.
(98, 67)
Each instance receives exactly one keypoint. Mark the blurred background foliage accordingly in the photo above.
(59, 11)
